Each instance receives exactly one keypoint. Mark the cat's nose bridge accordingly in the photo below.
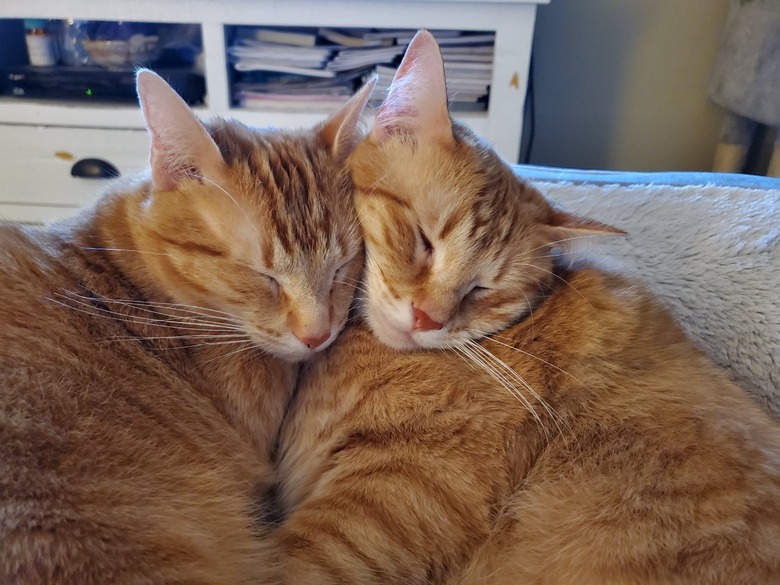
(430, 313)
(310, 321)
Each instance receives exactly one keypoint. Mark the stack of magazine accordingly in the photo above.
(282, 67)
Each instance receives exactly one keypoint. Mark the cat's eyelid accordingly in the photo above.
(343, 264)
(477, 287)
(271, 279)
(425, 239)
(345, 261)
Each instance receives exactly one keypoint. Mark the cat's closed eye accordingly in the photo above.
(341, 271)
(426, 243)
(341, 276)
(272, 283)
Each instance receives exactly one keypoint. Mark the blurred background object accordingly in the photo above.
(746, 82)
(624, 85)
(41, 47)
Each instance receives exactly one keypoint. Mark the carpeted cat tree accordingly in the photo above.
(746, 82)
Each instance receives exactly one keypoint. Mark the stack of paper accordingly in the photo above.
(261, 90)
(325, 66)
(353, 58)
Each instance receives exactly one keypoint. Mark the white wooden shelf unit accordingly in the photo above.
(38, 184)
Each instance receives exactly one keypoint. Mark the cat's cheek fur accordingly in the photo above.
(386, 332)
(389, 318)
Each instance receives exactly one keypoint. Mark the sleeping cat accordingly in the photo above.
(586, 441)
(148, 349)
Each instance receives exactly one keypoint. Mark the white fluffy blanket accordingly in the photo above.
(712, 254)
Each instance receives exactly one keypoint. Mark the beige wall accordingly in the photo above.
(622, 84)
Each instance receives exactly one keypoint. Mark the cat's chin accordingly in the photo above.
(395, 338)
(293, 355)
(414, 340)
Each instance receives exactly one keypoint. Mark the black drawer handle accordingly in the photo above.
(94, 168)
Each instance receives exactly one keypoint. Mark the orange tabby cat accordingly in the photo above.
(588, 443)
(147, 350)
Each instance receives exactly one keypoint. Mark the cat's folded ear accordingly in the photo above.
(341, 132)
(180, 145)
(563, 229)
(416, 103)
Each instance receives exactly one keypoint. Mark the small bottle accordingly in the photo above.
(40, 43)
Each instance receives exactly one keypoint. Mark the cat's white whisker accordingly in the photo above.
(530, 312)
(556, 418)
(357, 287)
(184, 326)
(497, 339)
(348, 279)
(381, 178)
(75, 302)
(139, 302)
(187, 309)
(212, 313)
(506, 382)
(206, 344)
(251, 345)
(225, 336)
(563, 280)
(98, 249)
(79, 310)
(193, 318)
(468, 350)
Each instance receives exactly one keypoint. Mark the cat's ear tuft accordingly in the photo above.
(180, 145)
(416, 103)
(563, 228)
(341, 132)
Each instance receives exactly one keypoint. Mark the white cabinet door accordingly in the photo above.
(36, 162)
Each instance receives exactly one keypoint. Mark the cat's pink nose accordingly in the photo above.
(423, 322)
(314, 341)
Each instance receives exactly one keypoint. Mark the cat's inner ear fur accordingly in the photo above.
(180, 145)
(563, 228)
(341, 132)
(416, 104)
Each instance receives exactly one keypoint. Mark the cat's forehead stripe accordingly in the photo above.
(455, 217)
(267, 252)
(300, 192)
(189, 245)
(380, 193)
(503, 269)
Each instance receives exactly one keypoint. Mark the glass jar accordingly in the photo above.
(40, 43)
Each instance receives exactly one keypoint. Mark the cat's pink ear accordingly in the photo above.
(180, 145)
(416, 103)
(341, 132)
(564, 228)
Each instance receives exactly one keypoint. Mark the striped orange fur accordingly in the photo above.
(585, 441)
(148, 349)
